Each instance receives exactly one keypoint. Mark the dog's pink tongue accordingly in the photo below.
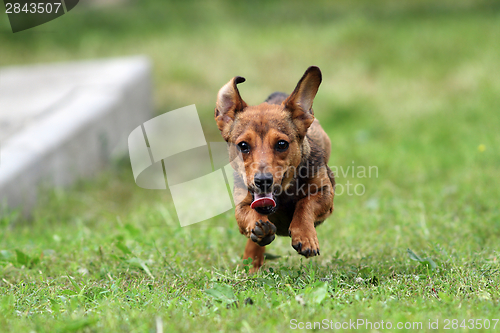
(263, 200)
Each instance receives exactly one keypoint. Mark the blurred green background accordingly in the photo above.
(411, 87)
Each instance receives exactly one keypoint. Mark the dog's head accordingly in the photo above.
(268, 137)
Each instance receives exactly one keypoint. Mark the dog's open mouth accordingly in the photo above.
(263, 203)
(263, 200)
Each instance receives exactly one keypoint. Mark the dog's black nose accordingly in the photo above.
(263, 181)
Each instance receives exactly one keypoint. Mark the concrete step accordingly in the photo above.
(62, 122)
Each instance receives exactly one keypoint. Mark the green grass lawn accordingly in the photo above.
(412, 89)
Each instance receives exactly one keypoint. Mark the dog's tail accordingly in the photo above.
(276, 98)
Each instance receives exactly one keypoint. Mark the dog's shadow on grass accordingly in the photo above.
(347, 272)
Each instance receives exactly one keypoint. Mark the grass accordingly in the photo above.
(409, 88)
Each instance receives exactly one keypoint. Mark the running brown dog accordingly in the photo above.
(283, 185)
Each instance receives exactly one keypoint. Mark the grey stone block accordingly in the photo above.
(62, 122)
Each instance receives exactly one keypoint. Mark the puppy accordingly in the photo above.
(283, 185)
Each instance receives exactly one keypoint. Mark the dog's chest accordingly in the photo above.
(284, 213)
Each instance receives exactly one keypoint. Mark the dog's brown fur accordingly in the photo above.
(301, 174)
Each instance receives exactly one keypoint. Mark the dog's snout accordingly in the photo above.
(263, 181)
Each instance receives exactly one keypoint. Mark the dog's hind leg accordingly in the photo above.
(256, 252)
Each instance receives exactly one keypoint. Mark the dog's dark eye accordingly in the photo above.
(281, 146)
(244, 147)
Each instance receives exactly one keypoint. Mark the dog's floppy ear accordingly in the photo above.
(300, 101)
(228, 103)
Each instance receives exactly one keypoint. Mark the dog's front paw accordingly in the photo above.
(306, 244)
(263, 233)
